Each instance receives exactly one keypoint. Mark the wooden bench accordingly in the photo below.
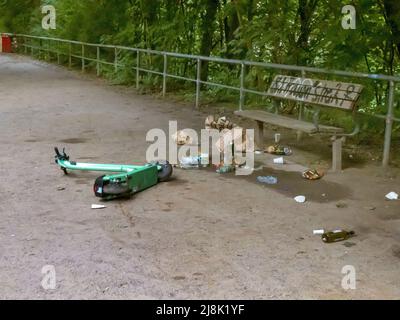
(310, 93)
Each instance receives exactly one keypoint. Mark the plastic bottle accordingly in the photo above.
(267, 179)
(193, 162)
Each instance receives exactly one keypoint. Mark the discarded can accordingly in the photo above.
(279, 160)
(226, 169)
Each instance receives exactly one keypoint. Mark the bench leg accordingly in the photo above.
(259, 134)
(299, 136)
(337, 154)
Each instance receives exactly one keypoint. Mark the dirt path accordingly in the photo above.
(199, 236)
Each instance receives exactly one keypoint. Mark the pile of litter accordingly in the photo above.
(231, 139)
(279, 150)
(220, 124)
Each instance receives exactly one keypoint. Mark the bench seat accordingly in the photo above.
(290, 123)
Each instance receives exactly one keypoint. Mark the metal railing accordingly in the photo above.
(27, 44)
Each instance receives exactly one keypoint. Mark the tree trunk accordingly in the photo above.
(207, 27)
(305, 12)
(392, 12)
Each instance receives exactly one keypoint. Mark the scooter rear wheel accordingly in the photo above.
(116, 189)
(107, 189)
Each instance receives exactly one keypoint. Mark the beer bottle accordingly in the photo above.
(336, 235)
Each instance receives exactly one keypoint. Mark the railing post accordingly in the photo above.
(115, 59)
(48, 57)
(198, 83)
(58, 52)
(165, 75)
(98, 61)
(242, 94)
(301, 110)
(389, 125)
(303, 75)
(137, 68)
(83, 57)
(40, 48)
(70, 55)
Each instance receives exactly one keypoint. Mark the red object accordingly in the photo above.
(6, 44)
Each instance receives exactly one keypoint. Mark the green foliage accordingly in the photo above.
(301, 32)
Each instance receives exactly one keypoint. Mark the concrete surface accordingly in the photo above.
(201, 235)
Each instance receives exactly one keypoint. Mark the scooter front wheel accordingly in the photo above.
(166, 170)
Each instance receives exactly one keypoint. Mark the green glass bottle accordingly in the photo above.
(336, 235)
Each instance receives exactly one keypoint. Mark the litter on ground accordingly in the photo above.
(312, 174)
(279, 150)
(193, 162)
(181, 138)
(336, 235)
(300, 199)
(267, 179)
(219, 124)
(279, 160)
(341, 205)
(98, 206)
(392, 196)
(226, 169)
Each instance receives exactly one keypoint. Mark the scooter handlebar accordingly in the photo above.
(59, 155)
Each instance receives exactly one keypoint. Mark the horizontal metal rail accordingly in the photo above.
(392, 80)
(223, 60)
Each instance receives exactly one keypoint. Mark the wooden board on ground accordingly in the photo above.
(290, 123)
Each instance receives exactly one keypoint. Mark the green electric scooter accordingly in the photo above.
(127, 180)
